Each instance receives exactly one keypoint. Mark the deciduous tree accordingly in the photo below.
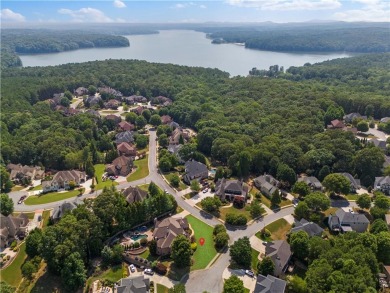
(233, 285)
(241, 252)
(266, 266)
(181, 251)
(317, 201)
(6, 205)
(337, 183)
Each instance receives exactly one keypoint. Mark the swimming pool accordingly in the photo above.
(138, 237)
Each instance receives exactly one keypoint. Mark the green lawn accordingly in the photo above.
(267, 202)
(113, 274)
(255, 259)
(38, 187)
(45, 218)
(50, 197)
(142, 170)
(168, 177)
(352, 196)
(203, 254)
(29, 215)
(13, 273)
(278, 229)
(144, 187)
(233, 210)
(161, 289)
(190, 195)
(99, 171)
(146, 255)
(17, 188)
(330, 211)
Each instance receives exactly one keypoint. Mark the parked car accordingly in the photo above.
(132, 268)
(149, 272)
(205, 190)
(250, 273)
(22, 198)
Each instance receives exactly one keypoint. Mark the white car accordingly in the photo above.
(148, 272)
(132, 268)
(206, 189)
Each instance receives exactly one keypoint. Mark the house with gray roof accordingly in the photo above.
(134, 194)
(280, 253)
(345, 221)
(312, 182)
(382, 184)
(355, 183)
(80, 91)
(166, 231)
(349, 117)
(312, 229)
(231, 189)
(12, 227)
(379, 143)
(23, 174)
(133, 284)
(59, 211)
(267, 184)
(93, 100)
(195, 170)
(174, 149)
(62, 179)
(385, 119)
(269, 284)
(124, 136)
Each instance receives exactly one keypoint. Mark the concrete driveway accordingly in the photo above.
(249, 282)
(197, 198)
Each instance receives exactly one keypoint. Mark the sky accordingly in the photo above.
(121, 11)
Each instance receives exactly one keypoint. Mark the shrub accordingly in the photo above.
(13, 244)
(218, 229)
(193, 239)
(160, 269)
(194, 246)
(236, 220)
(136, 244)
(143, 241)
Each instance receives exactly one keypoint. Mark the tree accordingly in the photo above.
(106, 255)
(362, 126)
(6, 288)
(165, 164)
(296, 284)
(65, 102)
(233, 285)
(266, 266)
(317, 201)
(369, 162)
(299, 242)
(302, 210)
(117, 252)
(221, 240)
(163, 140)
(146, 113)
(317, 246)
(211, 204)
(34, 242)
(286, 174)
(337, 183)
(325, 171)
(28, 269)
(178, 288)
(383, 239)
(276, 198)
(218, 174)
(301, 188)
(378, 213)
(6, 205)
(256, 209)
(241, 252)
(195, 186)
(141, 141)
(111, 156)
(153, 247)
(89, 168)
(73, 272)
(364, 201)
(181, 251)
(218, 229)
(5, 182)
(92, 90)
(140, 122)
(175, 180)
(333, 112)
(382, 201)
(155, 120)
(245, 161)
(153, 189)
(378, 226)
(131, 117)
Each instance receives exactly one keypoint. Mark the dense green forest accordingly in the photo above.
(323, 39)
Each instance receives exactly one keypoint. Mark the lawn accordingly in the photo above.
(142, 170)
(161, 289)
(144, 187)
(99, 171)
(30, 215)
(17, 188)
(278, 229)
(255, 259)
(203, 254)
(223, 211)
(146, 255)
(113, 274)
(109, 111)
(168, 177)
(45, 218)
(267, 202)
(352, 196)
(38, 187)
(50, 197)
(13, 273)
(48, 282)
(330, 211)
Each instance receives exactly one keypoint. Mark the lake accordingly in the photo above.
(184, 47)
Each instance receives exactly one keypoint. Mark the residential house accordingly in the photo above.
(345, 221)
(195, 171)
(112, 104)
(93, 100)
(174, 125)
(125, 126)
(138, 110)
(81, 91)
(312, 182)
(312, 229)
(166, 231)
(60, 211)
(70, 112)
(19, 174)
(355, 183)
(386, 270)
(62, 179)
(134, 194)
(336, 124)
(231, 189)
(161, 100)
(267, 184)
(385, 119)
(269, 284)
(93, 113)
(386, 162)
(58, 97)
(133, 284)
(176, 136)
(114, 118)
(140, 99)
(174, 149)
(121, 166)
(349, 117)
(125, 136)
(166, 119)
(128, 100)
(280, 253)
(111, 91)
(12, 227)
(382, 184)
(379, 143)
(126, 149)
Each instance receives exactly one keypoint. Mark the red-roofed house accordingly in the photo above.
(125, 126)
(126, 149)
(166, 119)
(120, 166)
(336, 124)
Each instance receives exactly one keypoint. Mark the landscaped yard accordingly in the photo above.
(203, 254)
(223, 211)
(50, 197)
(17, 188)
(100, 184)
(278, 229)
(169, 176)
(45, 218)
(161, 289)
(266, 201)
(255, 259)
(142, 170)
(330, 211)
(144, 187)
(30, 215)
(13, 273)
(113, 274)
(38, 187)
(146, 255)
(352, 196)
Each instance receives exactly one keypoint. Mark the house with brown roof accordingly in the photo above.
(126, 149)
(62, 179)
(108, 90)
(121, 166)
(166, 119)
(114, 118)
(112, 104)
(23, 174)
(80, 91)
(138, 110)
(12, 227)
(174, 139)
(280, 253)
(125, 126)
(166, 231)
(134, 194)
(231, 189)
(336, 124)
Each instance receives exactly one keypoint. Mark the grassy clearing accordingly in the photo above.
(17, 188)
(13, 273)
(48, 282)
(112, 274)
(45, 219)
(50, 197)
(168, 177)
(352, 196)
(144, 187)
(109, 111)
(161, 289)
(30, 215)
(203, 254)
(223, 211)
(190, 195)
(100, 184)
(142, 170)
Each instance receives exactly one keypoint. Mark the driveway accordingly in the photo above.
(377, 133)
(249, 282)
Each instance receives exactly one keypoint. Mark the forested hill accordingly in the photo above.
(24, 41)
(323, 39)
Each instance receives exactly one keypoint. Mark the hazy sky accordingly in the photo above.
(195, 11)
